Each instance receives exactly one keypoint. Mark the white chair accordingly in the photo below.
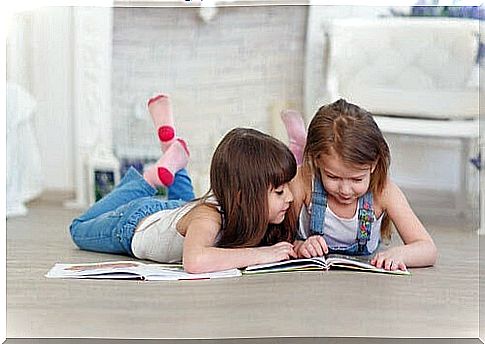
(419, 76)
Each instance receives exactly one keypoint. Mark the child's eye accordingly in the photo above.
(279, 192)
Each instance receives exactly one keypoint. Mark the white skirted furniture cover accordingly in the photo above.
(419, 76)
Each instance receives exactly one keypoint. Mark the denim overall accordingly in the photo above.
(366, 217)
(108, 226)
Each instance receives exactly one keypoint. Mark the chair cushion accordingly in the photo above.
(418, 67)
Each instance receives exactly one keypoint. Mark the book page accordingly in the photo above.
(95, 269)
(316, 263)
(131, 270)
(168, 275)
(357, 262)
(337, 257)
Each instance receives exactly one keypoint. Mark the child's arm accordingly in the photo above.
(200, 255)
(418, 249)
(313, 246)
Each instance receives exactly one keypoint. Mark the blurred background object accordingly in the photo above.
(92, 69)
(24, 169)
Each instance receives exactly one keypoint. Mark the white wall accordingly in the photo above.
(239, 69)
(43, 64)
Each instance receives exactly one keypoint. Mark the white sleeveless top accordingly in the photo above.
(156, 237)
(338, 232)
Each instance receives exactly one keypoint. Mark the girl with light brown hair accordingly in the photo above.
(343, 195)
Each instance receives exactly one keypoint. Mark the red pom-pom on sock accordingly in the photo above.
(166, 133)
(165, 176)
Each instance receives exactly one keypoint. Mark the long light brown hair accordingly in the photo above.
(245, 165)
(354, 136)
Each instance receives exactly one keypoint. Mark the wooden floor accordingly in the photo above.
(433, 302)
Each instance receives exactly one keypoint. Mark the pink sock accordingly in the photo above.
(160, 109)
(295, 128)
(297, 152)
(163, 171)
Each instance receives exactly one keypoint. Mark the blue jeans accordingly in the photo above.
(109, 224)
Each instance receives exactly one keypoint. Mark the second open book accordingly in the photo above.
(331, 261)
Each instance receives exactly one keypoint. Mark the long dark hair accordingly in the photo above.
(354, 136)
(245, 165)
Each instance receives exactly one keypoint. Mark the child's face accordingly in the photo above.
(279, 200)
(342, 181)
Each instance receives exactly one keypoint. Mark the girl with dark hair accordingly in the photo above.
(241, 220)
(343, 194)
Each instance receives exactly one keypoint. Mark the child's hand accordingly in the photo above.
(277, 252)
(389, 260)
(314, 246)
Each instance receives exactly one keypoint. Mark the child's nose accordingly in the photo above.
(345, 187)
(289, 196)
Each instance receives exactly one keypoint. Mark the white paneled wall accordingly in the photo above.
(240, 69)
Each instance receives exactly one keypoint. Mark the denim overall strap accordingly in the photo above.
(319, 205)
(366, 217)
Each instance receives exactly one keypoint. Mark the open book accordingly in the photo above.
(133, 270)
(340, 261)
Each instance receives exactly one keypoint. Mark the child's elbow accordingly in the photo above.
(433, 253)
(195, 264)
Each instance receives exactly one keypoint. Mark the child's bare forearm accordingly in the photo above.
(215, 259)
(417, 254)
(211, 259)
(420, 253)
